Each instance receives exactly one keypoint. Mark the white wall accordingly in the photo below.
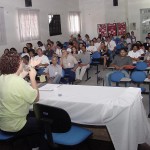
(102, 11)
(46, 7)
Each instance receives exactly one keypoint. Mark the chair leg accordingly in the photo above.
(87, 73)
(97, 70)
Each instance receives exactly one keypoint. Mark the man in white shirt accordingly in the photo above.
(54, 71)
(44, 61)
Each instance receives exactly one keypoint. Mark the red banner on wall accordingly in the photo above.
(121, 28)
(102, 29)
(112, 28)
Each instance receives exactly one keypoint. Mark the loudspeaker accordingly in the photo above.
(28, 3)
(115, 2)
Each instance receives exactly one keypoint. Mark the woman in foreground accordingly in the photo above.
(16, 96)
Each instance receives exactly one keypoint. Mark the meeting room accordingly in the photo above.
(75, 74)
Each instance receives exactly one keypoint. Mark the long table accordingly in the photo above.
(120, 109)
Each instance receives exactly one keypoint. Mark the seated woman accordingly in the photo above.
(119, 63)
(134, 54)
(6, 51)
(104, 59)
(15, 100)
(49, 52)
(25, 52)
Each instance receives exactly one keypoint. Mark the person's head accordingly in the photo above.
(51, 43)
(39, 52)
(6, 51)
(29, 45)
(25, 50)
(13, 50)
(74, 50)
(10, 63)
(108, 38)
(79, 37)
(25, 59)
(148, 35)
(94, 40)
(128, 35)
(91, 43)
(32, 53)
(83, 48)
(132, 32)
(48, 46)
(70, 44)
(98, 40)
(122, 38)
(135, 47)
(102, 45)
(54, 60)
(64, 53)
(39, 43)
(149, 48)
(147, 40)
(48, 41)
(123, 53)
(59, 46)
(87, 36)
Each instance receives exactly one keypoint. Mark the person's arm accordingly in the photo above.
(32, 74)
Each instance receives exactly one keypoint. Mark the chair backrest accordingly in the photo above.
(61, 121)
(116, 76)
(138, 76)
(141, 66)
(96, 55)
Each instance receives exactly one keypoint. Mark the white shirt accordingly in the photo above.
(44, 59)
(111, 45)
(141, 51)
(128, 40)
(97, 45)
(42, 47)
(24, 54)
(54, 70)
(134, 55)
(58, 52)
(91, 49)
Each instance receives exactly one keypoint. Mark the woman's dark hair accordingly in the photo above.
(135, 45)
(26, 48)
(26, 58)
(13, 50)
(30, 45)
(39, 43)
(9, 63)
(123, 49)
(6, 50)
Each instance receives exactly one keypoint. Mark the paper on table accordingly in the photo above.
(49, 87)
(42, 78)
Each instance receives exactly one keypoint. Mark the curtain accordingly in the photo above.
(2, 27)
(74, 22)
(28, 24)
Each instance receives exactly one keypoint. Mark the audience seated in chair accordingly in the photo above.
(85, 59)
(54, 71)
(69, 64)
(44, 61)
(119, 62)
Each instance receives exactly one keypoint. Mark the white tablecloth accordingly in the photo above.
(120, 109)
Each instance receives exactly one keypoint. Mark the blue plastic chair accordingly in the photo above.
(116, 77)
(95, 60)
(58, 127)
(139, 77)
(141, 66)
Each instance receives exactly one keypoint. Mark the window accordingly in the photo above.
(28, 24)
(74, 22)
(54, 25)
(2, 27)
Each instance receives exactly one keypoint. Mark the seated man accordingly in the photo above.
(119, 62)
(54, 71)
(44, 61)
(69, 64)
(85, 59)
